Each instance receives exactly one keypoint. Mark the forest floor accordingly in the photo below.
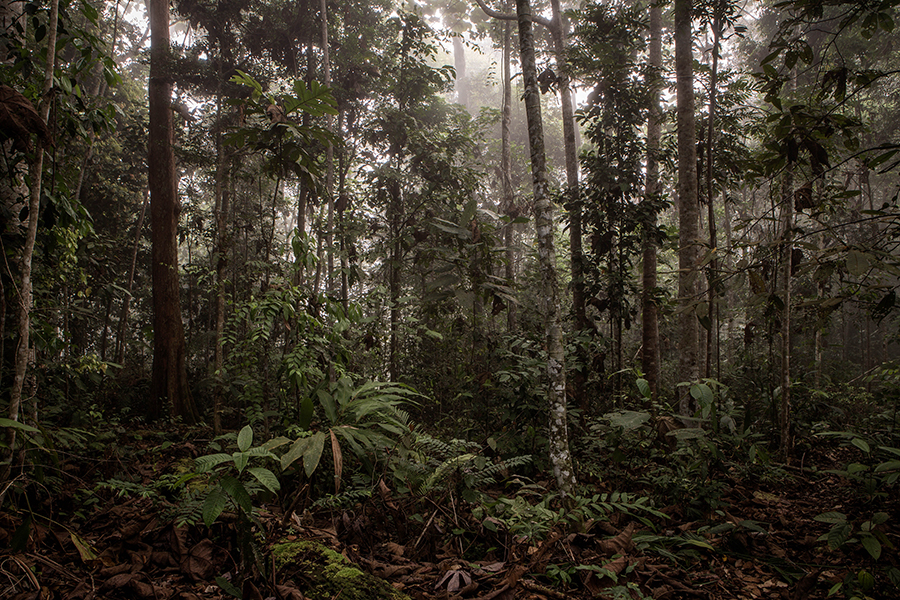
(121, 539)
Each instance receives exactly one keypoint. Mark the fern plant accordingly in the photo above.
(431, 464)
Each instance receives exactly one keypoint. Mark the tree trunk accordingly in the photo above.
(126, 301)
(508, 200)
(787, 206)
(169, 382)
(23, 347)
(688, 207)
(329, 154)
(560, 456)
(712, 348)
(459, 64)
(649, 312)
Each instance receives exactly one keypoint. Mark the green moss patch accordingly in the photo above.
(321, 573)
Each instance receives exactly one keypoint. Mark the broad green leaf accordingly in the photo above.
(703, 393)
(306, 412)
(213, 506)
(891, 465)
(313, 453)
(266, 477)
(627, 419)
(643, 387)
(861, 444)
(298, 448)
(17, 425)
(208, 462)
(327, 402)
(229, 587)
(831, 517)
(238, 493)
(245, 438)
(838, 535)
(240, 460)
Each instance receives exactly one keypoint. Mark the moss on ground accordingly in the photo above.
(321, 573)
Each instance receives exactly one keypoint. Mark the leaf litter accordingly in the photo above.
(764, 543)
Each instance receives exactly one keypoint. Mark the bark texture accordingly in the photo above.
(688, 205)
(649, 312)
(169, 384)
(560, 456)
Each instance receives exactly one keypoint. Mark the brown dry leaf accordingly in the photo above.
(395, 549)
(620, 544)
(454, 580)
(198, 563)
(514, 574)
(289, 593)
(119, 581)
(145, 590)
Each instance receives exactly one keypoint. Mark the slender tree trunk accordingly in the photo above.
(396, 209)
(25, 299)
(459, 64)
(329, 153)
(169, 382)
(650, 318)
(560, 456)
(121, 340)
(787, 251)
(688, 208)
(223, 202)
(505, 175)
(712, 338)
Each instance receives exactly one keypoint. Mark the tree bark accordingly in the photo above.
(505, 175)
(126, 301)
(787, 206)
(649, 312)
(688, 207)
(26, 298)
(560, 456)
(169, 381)
(712, 348)
(329, 153)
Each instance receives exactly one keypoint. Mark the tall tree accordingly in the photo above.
(560, 456)
(169, 383)
(649, 312)
(688, 205)
(25, 300)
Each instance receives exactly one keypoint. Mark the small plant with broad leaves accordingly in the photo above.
(234, 481)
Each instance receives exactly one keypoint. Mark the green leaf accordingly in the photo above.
(208, 462)
(872, 545)
(245, 438)
(238, 493)
(213, 506)
(240, 460)
(831, 517)
(298, 448)
(306, 412)
(229, 587)
(861, 444)
(17, 425)
(266, 477)
(838, 535)
(313, 453)
(627, 419)
(327, 402)
(643, 387)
